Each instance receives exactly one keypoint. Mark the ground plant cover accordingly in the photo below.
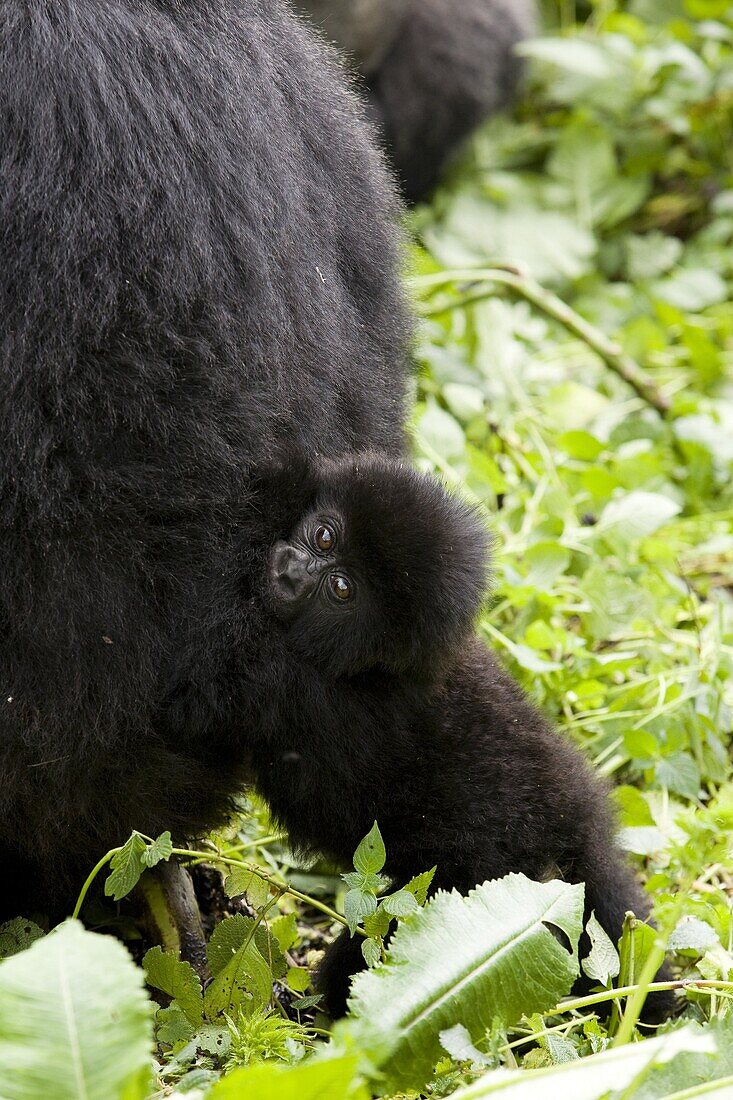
(573, 277)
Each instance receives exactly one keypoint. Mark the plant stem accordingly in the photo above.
(282, 887)
(90, 879)
(701, 984)
(611, 352)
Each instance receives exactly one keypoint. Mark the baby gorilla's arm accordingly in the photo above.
(472, 780)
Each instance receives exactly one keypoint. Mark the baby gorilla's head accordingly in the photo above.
(382, 569)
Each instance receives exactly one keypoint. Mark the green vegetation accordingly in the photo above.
(574, 277)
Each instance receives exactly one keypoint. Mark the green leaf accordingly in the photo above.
(602, 963)
(16, 935)
(692, 934)
(371, 951)
(334, 1079)
(400, 904)
(457, 1042)
(298, 979)
(127, 866)
(241, 881)
(74, 1020)
(637, 514)
(159, 851)
(285, 931)
(465, 960)
(420, 884)
(178, 979)
(357, 906)
(619, 1069)
(238, 954)
(370, 856)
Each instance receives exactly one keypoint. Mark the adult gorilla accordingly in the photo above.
(434, 69)
(196, 265)
(197, 274)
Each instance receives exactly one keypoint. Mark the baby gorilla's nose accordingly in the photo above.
(290, 574)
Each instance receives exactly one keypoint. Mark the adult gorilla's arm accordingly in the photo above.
(435, 70)
(451, 66)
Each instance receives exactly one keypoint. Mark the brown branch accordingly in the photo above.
(610, 352)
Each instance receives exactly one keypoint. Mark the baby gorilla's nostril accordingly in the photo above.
(289, 571)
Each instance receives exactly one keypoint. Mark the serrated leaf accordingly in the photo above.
(285, 931)
(243, 975)
(465, 960)
(173, 1026)
(18, 934)
(159, 851)
(371, 951)
(178, 979)
(357, 906)
(420, 884)
(74, 1020)
(602, 963)
(127, 866)
(400, 904)
(378, 923)
(241, 881)
(370, 856)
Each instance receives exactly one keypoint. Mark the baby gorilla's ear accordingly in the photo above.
(425, 556)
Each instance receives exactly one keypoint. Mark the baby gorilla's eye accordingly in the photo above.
(325, 538)
(340, 586)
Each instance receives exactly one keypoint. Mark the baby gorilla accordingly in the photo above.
(382, 575)
(383, 570)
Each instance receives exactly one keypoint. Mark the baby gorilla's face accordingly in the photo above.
(384, 569)
(309, 574)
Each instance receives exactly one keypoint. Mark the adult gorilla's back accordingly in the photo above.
(196, 266)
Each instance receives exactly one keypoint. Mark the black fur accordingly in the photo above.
(196, 268)
(434, 69)
(196, 265)
(416, 558)
(485, 788)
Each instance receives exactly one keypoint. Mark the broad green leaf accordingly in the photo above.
(637, 514)
(334, 1079)
(692, 934)
(591, 1078)
(602, 963)
(75, 1023)
(401, 904)
(358, 904)
(241, 881)
(160, 850)
(178, 979)
(298, 978)
(127, 866)
(465, 960)
(284, 929)
(370, 856)
(243, 975)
